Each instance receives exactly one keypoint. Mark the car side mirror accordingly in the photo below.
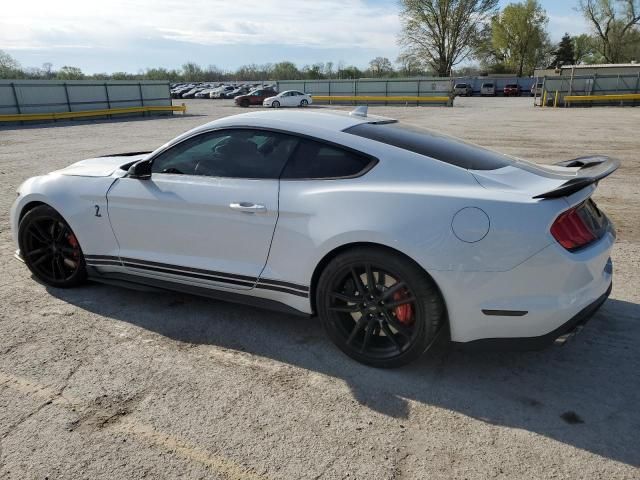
(140, 170)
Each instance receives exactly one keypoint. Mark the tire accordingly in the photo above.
(304, 103)
(275, 104)
(387, 326)
(50, 248)
(244, 103)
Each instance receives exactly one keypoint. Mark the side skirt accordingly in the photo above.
(148, 284)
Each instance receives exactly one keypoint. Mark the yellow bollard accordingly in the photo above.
(544, 99)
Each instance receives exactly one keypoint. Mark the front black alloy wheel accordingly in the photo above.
(379, 307)
(50, 248)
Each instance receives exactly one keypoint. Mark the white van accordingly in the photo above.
(488, 89)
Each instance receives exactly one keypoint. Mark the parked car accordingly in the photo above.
(511, 90)
(222, 91)
(488, 89)
(462, 90)
(233, 92)
(178, 91)
(204, 93)
(256, 97)
(192, 93)
(288, 98)
(416, 234)
(216, 91)
(536, 89)
(237, 92)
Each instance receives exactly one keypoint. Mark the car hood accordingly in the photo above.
(101, 166)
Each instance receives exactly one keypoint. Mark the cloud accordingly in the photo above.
(560, 24)
(117, 23)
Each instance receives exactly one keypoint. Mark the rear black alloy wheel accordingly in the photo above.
(50, 248)
(304, 103)
(378, 307)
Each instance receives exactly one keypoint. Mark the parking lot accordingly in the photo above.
(103, 382)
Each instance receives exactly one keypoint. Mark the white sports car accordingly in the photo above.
(288, 98)
(390, 234)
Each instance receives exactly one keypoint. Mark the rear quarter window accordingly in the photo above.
(317, 160)
(434, 145)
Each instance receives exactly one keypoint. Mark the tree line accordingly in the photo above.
(440, 34)
(192, 72)
(437, 36)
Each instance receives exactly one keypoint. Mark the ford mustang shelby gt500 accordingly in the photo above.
(389, 233)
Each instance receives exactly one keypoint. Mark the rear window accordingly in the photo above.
(512, 85)
(461, 85)
(435, 145)
(488, 85)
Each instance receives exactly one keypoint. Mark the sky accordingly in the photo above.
(130, 35)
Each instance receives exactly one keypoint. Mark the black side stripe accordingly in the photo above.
(282, 289)
(189, 274)
(189, 269)
(293, 286)
(199, 273)
(101, 263)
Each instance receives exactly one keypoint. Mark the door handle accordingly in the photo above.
(248, 207)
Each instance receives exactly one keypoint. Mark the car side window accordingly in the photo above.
(234, 153)
(317, 160)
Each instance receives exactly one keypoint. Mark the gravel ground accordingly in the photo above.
(103, 382)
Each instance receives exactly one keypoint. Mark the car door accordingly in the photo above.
(294, 99)
(258, 97)
(286, 100)
(207, 213)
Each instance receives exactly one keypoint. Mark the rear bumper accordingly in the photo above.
(540, 298)
(542, 341)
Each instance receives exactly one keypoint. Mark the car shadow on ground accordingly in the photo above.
(585, 393)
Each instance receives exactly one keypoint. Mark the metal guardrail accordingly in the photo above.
(629, 97)
(381, 98)
(560, 91)
(355, 99)
(48, 96)
(21, 117)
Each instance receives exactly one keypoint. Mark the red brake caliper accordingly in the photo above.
(73, 241)
(404, 313)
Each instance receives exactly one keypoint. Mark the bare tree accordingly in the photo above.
(380, 67)
(614, 22)
(442, 33)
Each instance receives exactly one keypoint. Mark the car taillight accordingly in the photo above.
(575, 228)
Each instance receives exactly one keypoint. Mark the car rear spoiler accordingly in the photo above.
(590, 171)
